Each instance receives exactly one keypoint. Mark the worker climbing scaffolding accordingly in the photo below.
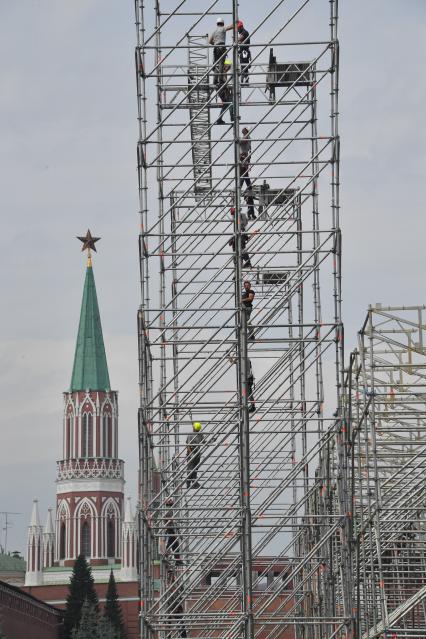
(172, 534)
(245, 155)
(194, 443)
(218, 41)
(225, 94)
(247, 298)
(244, 51)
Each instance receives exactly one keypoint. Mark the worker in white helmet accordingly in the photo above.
(194, 442)
(218, 41)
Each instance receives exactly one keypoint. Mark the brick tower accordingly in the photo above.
(90, 515)
(90, 479)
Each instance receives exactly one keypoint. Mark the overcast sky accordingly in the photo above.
(67, 162)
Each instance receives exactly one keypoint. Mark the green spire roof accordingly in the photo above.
(90, 370)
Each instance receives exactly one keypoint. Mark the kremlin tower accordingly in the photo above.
(91, 517)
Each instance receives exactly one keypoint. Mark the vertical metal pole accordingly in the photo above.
(244, 430)
(377, 482)
(244, 437)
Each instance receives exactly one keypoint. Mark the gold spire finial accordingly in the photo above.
(88, 244)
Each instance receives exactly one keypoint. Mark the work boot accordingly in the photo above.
(252, 408)
(220, 121)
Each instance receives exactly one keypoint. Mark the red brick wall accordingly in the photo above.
(127, 593)
(24, 618)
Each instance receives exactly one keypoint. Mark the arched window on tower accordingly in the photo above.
(111, 538)
(106, 435)
(87, 435)
(85, 548)
(68, 437)
(62, 541)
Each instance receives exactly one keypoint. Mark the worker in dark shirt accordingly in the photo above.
(225, 95)
(250, 383)
(194, 442)
(245, 238)
(249, 200)
(172, 538)
(247, 298)
(244, 51)
(250, 387)
(245, 155)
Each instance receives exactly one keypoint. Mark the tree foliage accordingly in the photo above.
(81, 590)
(112, 610)
(88, 626)
(92, 626)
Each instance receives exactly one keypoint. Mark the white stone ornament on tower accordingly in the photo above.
(129, 567)
(48, 541)
(34, 574)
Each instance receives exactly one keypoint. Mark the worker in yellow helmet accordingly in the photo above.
(194, 442)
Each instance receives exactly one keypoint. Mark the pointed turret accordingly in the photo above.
(129, 569)
(33, 576)
(90, 370)
(128, 517)
(35, 516)
(48, 528)
(48, 541)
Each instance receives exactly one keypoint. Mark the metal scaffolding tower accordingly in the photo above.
(251, 539)
(386, 410)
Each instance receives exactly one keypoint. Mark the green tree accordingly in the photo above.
(112, 610)
(93, 627)
(107, 631)
(81, 588)
(88, 626)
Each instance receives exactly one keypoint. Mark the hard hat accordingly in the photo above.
(220, 21)
(240, 24)
(227, 63)
(197, 426)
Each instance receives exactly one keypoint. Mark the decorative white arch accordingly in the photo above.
(102, 444)
(69, 415)
(81, 411)
(86, 511)
(111, 511)
(63, 516)
(87, 399)
(69, 404)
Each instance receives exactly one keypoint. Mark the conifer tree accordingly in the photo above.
(81, 588)
(88, 626)
(107, 631)
(112, 610)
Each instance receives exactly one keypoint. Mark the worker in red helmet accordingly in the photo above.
(244, 51)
